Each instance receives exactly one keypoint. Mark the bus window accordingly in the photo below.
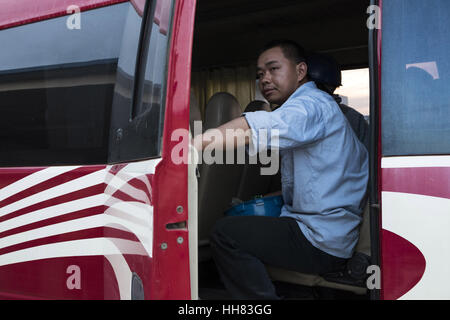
(415, 78)
(355, 90)
(56, 88)
(137, 132)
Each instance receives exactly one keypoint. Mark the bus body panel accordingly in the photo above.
(76, 232)
(414, 174)
(415, 205)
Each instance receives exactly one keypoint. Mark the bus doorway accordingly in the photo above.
(226, 41)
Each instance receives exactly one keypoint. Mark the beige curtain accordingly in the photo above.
(239, 81)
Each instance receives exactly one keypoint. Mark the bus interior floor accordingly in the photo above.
(212, 288)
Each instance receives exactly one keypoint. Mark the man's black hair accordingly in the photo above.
(291, 50)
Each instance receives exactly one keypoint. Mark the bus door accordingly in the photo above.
(415, 142)
(91, 205)
(142, 135)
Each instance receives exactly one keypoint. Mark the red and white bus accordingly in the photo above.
(92, 205)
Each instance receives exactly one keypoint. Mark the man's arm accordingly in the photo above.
(238, 135)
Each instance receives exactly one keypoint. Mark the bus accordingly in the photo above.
(93, 92)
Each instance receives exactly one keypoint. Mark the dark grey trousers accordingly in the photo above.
(242, 246)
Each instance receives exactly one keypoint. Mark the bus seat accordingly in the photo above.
(314, 280)
(257, 105)
(252, 183)
(218, 183)
(221, 108)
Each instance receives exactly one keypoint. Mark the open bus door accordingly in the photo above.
(91, 205)
(414, 115)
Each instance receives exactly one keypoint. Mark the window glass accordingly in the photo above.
(415, 77)
(57, 84)
(355, 90)
(139, 135)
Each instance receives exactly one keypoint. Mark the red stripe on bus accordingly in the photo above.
(68, 197)
(433, 182)
(98, 232)
(54, 220)
(19, 12)
(9, 176)
(403, 265)
(46, 184)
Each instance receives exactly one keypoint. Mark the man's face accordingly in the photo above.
(278, 76)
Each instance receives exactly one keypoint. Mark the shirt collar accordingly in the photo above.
(302, 89)
(308, 85)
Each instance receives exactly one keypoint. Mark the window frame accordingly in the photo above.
(138, 91)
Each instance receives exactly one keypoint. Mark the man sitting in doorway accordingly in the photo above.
(324, 170)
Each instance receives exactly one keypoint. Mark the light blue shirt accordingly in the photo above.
(324, 167)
